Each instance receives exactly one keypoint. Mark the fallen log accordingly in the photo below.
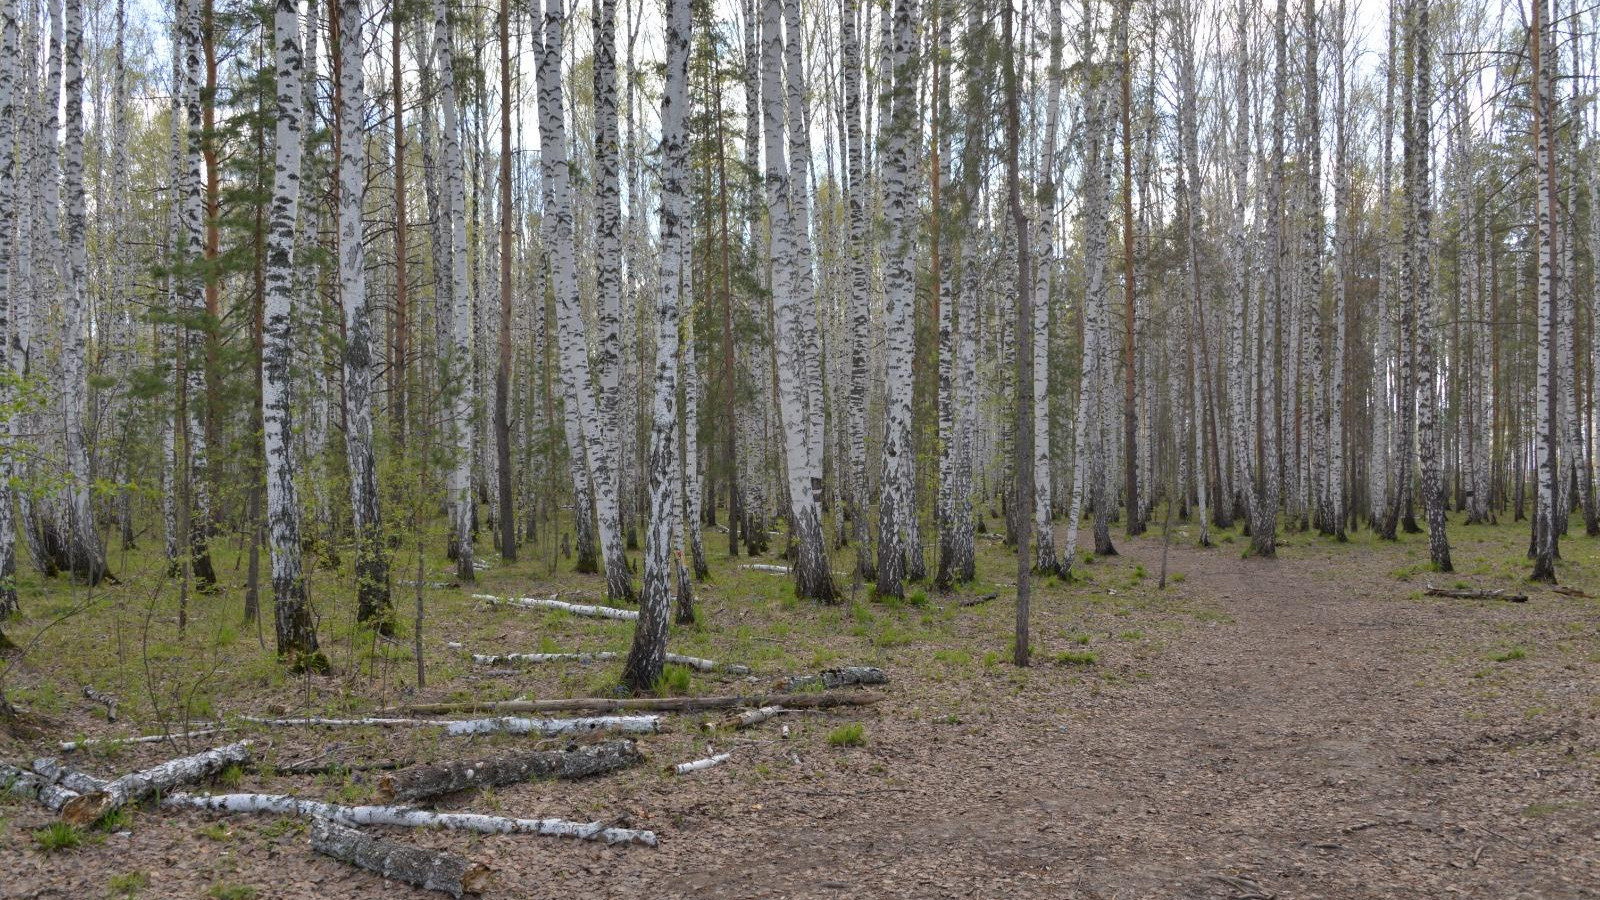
(764, 567)
(104, 699)
(747, 719)
(317, 767)
(577, 609)
(57, 772)
(513, 725)
(978, 600)
(693, 662)
(426, 869)
(697, 765)
(422, 782)
(406, 817)
(69, 746)
(506, 659)
(135, 786)
(834, 678)
(1567, 591)
(1455, 594)
(809, 700)
(645, 724)
(33, 786)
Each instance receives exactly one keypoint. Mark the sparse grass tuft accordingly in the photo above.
(128, 885)
(1076, 658)
(221, 890)
(852, 735)
(1514, 653)
(58, 836)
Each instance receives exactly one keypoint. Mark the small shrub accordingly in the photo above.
(1138, 572)
(852, 735)
(58, 836)
(1508, 655)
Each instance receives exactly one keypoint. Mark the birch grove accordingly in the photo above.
(335, 282)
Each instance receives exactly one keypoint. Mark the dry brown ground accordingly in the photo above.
(1307, 727)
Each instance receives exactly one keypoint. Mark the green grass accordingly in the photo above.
(1076, 658)
(221, 890)
(851, 735)
(674, 680)
(57, 837)
(1514, 653)
(128, 885)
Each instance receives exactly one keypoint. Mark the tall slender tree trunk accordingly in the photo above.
(295, 631)
(507, 519)
(196, 494)
(578, 384)
(648, 655)
(372, 565)
(1543, 545)
(9, 298)
(1023, 499)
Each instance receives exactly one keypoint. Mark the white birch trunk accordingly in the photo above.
(372, 568)
(295, 633)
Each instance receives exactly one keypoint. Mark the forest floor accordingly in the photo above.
(1305, 727)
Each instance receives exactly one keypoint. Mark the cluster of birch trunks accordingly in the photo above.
(930, 267)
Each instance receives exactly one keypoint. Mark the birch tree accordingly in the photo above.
(296, 634)
(648, 654)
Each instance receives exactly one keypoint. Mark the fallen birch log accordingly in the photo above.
(643, 724)
(1476, 595)
(426, 869)
(135, 786)
(765, 567)
(104, 699)
(513, 725)
(577, 609)
(33, 786)
(422, 782)
(507, 659)
(313, 722)
(697, 765)
(747, 719)
(693, 662)
(834, 678)
(57, 772)
(69, 746)
(809, 700)
(406, 817)
(978, 600)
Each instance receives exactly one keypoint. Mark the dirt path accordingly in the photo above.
(1292, 753)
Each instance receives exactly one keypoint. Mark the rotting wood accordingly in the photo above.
(426, 869)
(1459, 594)
(808, 700)
(697, 765)
(573, 762)
(104, 699)
(33, 786)
(406, 817)
(577, 609)
(135, 786)
(978, 600)
(843, 676)
(1566, 591)
(57, 772)
(746, 719)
